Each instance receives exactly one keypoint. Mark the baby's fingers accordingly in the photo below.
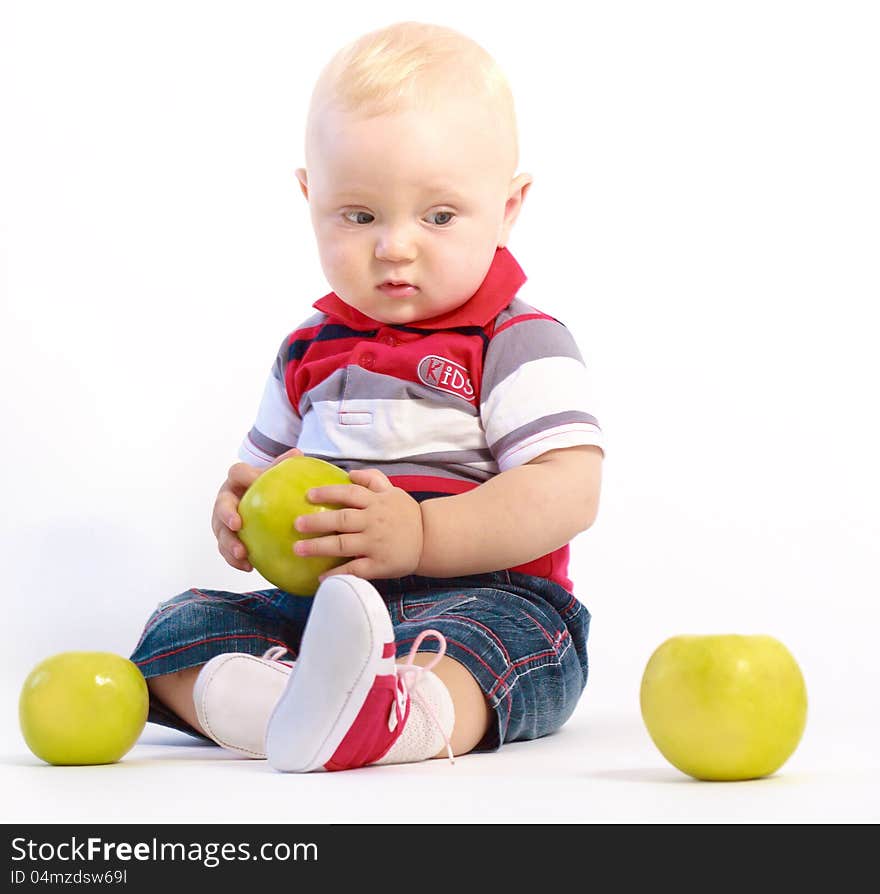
(240, 477)
(225, 515)
(233, 550)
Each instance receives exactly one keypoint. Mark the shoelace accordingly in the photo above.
(409, 675)
(275, 653)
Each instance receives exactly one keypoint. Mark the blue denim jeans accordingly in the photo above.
(523, 639)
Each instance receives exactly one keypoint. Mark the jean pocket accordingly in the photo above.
(422, 610)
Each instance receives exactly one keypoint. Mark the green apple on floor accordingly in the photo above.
(724, 707)
(83, 708)
(268, 511)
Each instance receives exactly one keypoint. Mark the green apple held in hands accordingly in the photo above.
(724, 707)
(268, 510)
(83, 708)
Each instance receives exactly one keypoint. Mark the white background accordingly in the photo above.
(704, 218)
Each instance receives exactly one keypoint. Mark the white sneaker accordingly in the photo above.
(234, 695)
(347, 701)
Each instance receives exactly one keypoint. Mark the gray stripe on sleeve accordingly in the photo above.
(266, 444)
(524, 432)
(521, 343)
(281, 360)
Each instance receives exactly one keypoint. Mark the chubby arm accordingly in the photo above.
(514, 517)
(517, 516)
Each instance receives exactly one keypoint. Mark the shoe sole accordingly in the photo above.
(329, 682)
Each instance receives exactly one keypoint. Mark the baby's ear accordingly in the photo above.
(518, 188)
(303, 178)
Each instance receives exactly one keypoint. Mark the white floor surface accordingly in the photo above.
(598, 769)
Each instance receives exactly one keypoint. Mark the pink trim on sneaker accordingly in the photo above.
(385, 711)
(369, 737)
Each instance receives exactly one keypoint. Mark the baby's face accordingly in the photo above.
(416, 196)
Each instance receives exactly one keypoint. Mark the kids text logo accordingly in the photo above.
(445, 375)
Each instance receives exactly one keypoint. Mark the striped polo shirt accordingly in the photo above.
(438, 405)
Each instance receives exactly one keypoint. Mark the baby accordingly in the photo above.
(463, 417)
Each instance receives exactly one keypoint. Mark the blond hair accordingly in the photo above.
(411, 64)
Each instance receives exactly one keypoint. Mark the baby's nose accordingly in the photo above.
(395, 245)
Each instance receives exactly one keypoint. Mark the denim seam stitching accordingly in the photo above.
(533, 666)
(160, 612)
(209, 639)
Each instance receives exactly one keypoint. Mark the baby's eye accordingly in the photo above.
(360, 215)
(448, 214)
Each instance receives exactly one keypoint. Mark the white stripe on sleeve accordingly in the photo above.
(534, 389)
(276, 421)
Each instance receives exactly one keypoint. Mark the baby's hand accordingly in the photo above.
(225, 520)
(380, 526)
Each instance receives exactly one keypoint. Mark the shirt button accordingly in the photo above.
(388, 340)
(367, 360)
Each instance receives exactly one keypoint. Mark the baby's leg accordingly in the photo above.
(472, 713)
(175, 692)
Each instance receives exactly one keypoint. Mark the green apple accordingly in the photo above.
(83, 708)
(268, 510)
(724, 707)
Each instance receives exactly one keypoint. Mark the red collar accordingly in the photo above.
(498, 289)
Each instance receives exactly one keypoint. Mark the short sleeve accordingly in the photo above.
(536, 393)
(277, 425)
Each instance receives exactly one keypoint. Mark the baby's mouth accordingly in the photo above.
(398, 290)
